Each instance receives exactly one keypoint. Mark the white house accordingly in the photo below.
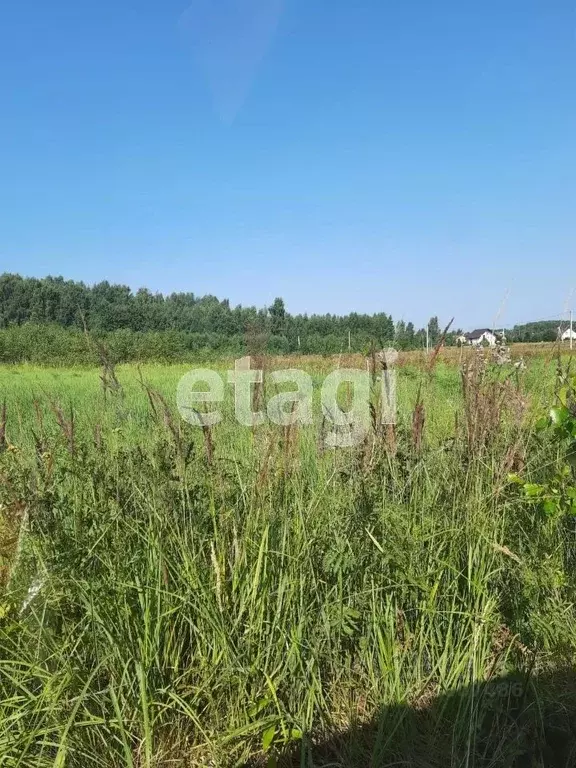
(481, 337)
(567, 335)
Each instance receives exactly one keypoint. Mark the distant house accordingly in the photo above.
(481, 337)
(567, 335)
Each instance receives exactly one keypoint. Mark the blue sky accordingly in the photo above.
(411, 157)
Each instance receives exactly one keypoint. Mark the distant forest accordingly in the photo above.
(45, 319)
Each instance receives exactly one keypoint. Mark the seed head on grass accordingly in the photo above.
(66, 425)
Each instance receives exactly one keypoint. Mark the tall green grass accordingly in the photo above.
(163, 605)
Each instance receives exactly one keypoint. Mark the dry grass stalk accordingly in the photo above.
(264, 470)
(256, 344)
(40, 444)
(322, 432)
(391, 440)
(376, 426)
(98, 436)
(438, 347)
(258, 363)
(289, 441)
(162, 414)
(480, 406)
(3, 420)
(487, 402)
(39, 416)
(66, 425)
(208, 443)
(419, 412)
(383, 433)
(418, 422)
(149, 394)
(108, 376)
(13, 519)
(373, 366)
(168, 418)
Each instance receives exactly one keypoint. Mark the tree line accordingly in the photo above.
(46, 319)
(179, 324)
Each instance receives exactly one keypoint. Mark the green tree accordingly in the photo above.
(278, 317)
(434, 330)
(409, 335)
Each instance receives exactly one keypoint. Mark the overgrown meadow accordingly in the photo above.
(179, 596)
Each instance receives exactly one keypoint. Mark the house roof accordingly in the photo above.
(477, 333)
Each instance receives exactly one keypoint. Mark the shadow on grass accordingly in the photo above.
(509, 722)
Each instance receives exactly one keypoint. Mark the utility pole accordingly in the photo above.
(427, 337)
(349, 341)
(571, 329)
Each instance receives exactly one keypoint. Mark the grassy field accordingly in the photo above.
(178, 596)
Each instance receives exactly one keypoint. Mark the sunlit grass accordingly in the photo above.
(193, 609)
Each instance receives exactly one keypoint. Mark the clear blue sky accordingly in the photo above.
(414, 157)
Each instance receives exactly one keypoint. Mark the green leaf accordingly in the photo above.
(542, 424)
(550, 507)
(532, 490)
(268, 738)
(559, 415)
(258, 707)
(514, 478)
